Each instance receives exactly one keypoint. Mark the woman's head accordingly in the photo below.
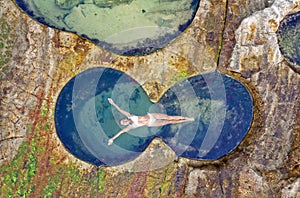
(125, 122)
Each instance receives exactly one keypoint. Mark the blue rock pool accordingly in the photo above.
(222, 108)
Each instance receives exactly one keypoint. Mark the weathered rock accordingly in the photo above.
(203, 183)
(256, 57)
(237, 37)
(292, 190)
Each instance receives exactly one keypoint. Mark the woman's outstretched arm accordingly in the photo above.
(111, 140)
(118, 108)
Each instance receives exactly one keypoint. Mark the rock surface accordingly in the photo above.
(236, 37)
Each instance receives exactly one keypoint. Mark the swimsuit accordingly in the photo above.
(135, 121)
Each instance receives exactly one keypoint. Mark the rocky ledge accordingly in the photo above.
(236, 37)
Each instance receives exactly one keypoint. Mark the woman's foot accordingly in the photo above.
(190, 119)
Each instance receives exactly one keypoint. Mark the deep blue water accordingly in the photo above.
(222, 108)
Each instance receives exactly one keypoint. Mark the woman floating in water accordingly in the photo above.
(150, 120)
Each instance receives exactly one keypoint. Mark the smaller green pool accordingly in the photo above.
(127, 27)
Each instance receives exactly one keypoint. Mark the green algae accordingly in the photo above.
(99, 182)
(178, 77)
(6, 44)
(110, 3)
(19, 173)
(53, 184)
(26, 176)
(67, 4)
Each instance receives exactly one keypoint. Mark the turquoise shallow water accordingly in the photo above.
(127, 27)
(222, 108)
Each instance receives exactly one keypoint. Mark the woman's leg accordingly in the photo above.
(158, 123)
(160, 116)
(163, 122)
